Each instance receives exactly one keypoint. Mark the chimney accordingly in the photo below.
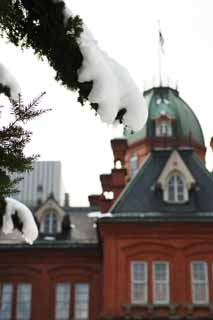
(119, 148)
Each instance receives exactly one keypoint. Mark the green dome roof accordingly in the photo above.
(166, 101)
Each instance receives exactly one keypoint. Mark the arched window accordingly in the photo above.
(133, 165)
(176, 191)
(164, 129)
(50, 223)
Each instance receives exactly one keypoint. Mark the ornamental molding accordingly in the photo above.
(49, 205)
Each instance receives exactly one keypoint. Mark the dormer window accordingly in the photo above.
(163, 129)
(176, 189)
(175, 180)
(49, 223)
(133, 165)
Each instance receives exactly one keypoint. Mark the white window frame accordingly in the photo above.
(6, 300)
(166, 282)
(57, 301)
(205, 282)
(176, 175)
(163, 129)
(58, 227)
(77, 302)
(144, 282)
(24, 299)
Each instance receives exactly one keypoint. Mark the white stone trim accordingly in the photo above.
(143, 282)
(175, 163)
(204, 282)
(164, 282)
(185, 190)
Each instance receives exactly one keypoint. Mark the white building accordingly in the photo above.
(39, 183)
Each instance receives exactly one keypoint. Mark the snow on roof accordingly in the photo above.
(99, 215)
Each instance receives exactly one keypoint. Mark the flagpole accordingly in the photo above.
(159, 66)
(160, 52)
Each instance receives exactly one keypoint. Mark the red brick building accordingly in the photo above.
(152, 258)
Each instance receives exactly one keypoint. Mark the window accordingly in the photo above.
(133, 164)
(62, 305)
(68, 304)
(161, 282)
(50, 223)
(176, 191)
(199, 275)
(81, 301)
(6, 295)
(139, 282)
(164, 129)
(23, 301)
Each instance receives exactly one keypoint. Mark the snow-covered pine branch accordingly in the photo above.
(50, 28)
(113, 89)
(16, 220)
(29, 231)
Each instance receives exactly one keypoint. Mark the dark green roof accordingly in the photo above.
(164, 100)
(142, 196)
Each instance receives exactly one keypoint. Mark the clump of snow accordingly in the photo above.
(99, 215)
(29, 230)
(8, 80)
(113, 88)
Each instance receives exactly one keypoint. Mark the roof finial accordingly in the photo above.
(160, 52)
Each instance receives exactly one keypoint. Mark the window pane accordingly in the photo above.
(6, 293)
(50, 223)
(81, 301)
(200, 289)
(62, 304)
(139, 272)
(23, 302)
(160, 272)
(161, 292)
(176, 189)
(171, 189)
(139, 292)
(180, 188)
(200, 292)
(161, 282)
(199, 271)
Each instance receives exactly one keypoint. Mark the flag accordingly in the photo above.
(161, 41)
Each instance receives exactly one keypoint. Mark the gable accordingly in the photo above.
(142, 195)
(50, 205)
(175, 164)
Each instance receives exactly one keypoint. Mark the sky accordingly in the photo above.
(128, 32)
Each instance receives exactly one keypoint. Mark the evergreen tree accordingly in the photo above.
(45, 27)
(13, 139)
(41, 25)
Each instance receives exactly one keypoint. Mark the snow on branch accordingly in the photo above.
(113, 88)
(7, 80)
(29, 228)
